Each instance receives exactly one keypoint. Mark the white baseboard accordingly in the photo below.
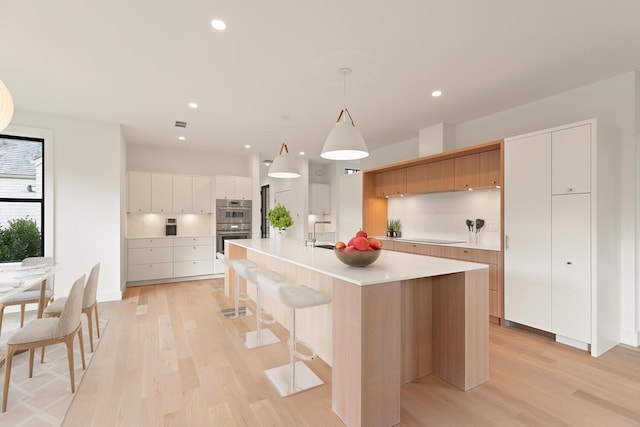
(573, 343)
(631, 338)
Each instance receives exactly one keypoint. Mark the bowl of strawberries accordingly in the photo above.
(360, 251)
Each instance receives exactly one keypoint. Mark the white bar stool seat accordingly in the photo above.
(295, 376)
(260, 337)
(236, 311)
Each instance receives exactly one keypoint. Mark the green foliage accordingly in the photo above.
(393, 225)
(21, 239)
(279, 217)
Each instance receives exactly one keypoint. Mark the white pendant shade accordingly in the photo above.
(344, 141)
(284, 166)
(6, 106)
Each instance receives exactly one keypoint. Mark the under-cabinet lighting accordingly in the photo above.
(218, 24)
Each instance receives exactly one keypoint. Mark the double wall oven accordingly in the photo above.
(233, 221)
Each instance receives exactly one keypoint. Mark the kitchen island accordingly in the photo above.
(401, 318)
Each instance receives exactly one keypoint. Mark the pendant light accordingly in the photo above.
(345, 141)
(284, 166)
(6, 106)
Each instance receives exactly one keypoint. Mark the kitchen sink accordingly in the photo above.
(324, 246)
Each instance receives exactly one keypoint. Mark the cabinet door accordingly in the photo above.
(397, 182)
(319, 199)
(161, 192)
(182, 193)
(139, 196)
(440, 176)
(382, 181)
(418, 179)
(571, 160)
(149, 271)
(467, 170)
(150, 255)
(201, 194)
(192, 268)
(225, 187)
(527, 227)
(571, 266)
(243, 187)
(489, 169)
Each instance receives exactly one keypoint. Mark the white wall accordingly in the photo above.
(323, 173)
(87, 177)
(398, 152)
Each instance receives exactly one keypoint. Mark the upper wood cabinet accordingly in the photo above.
(467, 172)
(391, 183)
(489, 169)
(430, 177)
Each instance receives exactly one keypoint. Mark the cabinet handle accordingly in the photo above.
(506, 242)
(569, 263)
(569, 189)
(493, 182)
(465, 251)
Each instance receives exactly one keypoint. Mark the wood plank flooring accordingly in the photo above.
(169, 358)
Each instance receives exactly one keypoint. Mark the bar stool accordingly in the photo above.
(234, 313)
(296, 376)
(260, 337)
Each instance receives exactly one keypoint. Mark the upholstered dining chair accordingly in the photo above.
(48, 331)
(41, 294)
(89, 304)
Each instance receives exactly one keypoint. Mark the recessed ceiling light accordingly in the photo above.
(247, 146)
(302, 153)
(218, 24)
(182, 138)
(436, 93)
(193, 105)
(267, 162)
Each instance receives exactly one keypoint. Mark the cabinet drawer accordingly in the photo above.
(149, 271)
(413, 248)
(149, 243)
(193, 268)
(192, 241)
(192, 253)
(150, 255)
(473, 255)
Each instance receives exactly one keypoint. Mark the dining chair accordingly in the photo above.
(89, 304)
(40, 294)
(48, 331)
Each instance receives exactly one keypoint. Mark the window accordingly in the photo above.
(21, 197)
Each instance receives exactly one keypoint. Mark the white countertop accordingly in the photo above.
(390, 267)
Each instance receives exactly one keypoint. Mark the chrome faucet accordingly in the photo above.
(313, 239)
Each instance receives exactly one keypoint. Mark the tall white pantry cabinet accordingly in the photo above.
(562, 234)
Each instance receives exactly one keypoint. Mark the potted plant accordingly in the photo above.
(280, 218)
(393, 228)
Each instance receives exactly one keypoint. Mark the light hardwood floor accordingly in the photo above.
(169, 358)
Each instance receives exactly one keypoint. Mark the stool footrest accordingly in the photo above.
(243, 296)
(266, 320)
(300, 355)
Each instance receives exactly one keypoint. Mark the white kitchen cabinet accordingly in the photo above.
(349, 205)
(193, 256)
(161, 193)
(562, 249)
(139, 192)
(571, 160)
(201, 194)
(319, 199)
(527, 225)
(233, 187)
(182, 189)
(571, 266)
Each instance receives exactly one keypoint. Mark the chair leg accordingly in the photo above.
(21, 315)
(2, 306)
(90, 322)
(7, 377)
(69, 343)
(42, 355)
(81, 347)
(95, 307)
(31, 353)
(292, 352)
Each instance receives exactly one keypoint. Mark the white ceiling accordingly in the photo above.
(139, 62)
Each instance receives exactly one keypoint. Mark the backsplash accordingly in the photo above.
(153, 224)
(443, 215)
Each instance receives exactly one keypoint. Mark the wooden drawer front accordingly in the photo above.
(150, 255)
(193, 268)
(192, 253)
(474, 255)
(149, 243)
(193, 241)
(413, 248)
(149, 271)
(431, 250)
